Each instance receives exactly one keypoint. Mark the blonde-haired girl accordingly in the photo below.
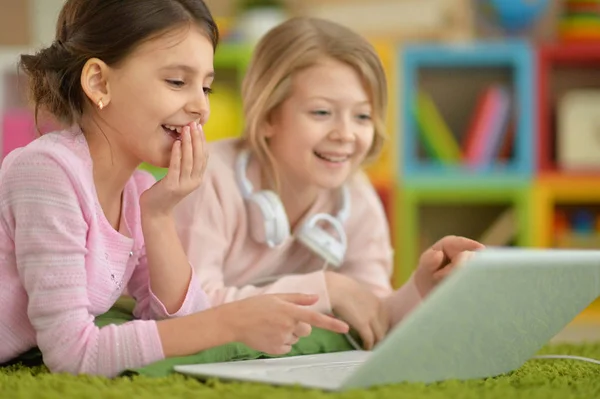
(286, 208)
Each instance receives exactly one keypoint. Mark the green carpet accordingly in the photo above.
(536, 379)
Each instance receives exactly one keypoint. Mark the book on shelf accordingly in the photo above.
(502, 231)
(435, 134)
(489, 137)
(488, 127)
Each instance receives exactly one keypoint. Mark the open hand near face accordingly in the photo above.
(272, 323)
(359, 307)
(441, 259)
(189, 157)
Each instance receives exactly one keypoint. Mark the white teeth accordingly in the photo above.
(177, 129)
(336, 159)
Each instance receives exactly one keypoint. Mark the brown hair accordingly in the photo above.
(300, 43)
(106, 29)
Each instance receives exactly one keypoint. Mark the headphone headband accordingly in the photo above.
(344, 212)
(241, 165)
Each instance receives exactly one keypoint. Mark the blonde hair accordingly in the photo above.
(296, 44)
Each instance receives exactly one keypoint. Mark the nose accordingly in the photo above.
(343, 130)
(198, 106)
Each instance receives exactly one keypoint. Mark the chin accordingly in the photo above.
(332, 180)
(159, 161)
(330, 184)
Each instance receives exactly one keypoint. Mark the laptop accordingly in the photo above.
(485, 319)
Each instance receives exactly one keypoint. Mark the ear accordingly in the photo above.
(268, 126)
(266, 129)
(94, 81)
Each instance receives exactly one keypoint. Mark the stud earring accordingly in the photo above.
(100, 105)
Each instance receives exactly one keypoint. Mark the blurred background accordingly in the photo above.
(494, 129)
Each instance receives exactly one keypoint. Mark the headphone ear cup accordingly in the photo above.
(268, 221)
(329, 247)
(323, 244)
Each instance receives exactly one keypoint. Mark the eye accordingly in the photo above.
(208, 90)
(175, 82)
(364, 117)
(320, 112)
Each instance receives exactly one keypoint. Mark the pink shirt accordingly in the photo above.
(62, 263)
(214, 230)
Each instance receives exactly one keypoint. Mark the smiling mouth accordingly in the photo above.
(334, 158)
(173, 131)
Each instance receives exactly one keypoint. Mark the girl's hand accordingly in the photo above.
(273, 323)
(441, 259)
(358, 307)
(188, 162)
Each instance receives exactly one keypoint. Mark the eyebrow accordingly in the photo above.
(187, 68)
(334, 100)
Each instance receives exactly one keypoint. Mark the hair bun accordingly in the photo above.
(47, 70)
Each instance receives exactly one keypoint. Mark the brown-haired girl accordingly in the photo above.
(79, 223)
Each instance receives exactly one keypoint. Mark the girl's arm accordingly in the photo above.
(370, 258)
(169, 270)
(164, 283)
(170, 273)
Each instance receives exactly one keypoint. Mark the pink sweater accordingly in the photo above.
(62, 264)
(214, 229)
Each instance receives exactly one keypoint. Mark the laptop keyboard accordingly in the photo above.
(331, 372)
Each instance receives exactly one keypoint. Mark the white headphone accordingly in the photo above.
(269, 223)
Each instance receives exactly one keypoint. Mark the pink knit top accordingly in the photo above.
(62, 263)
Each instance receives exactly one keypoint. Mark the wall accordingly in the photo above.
(43, 16)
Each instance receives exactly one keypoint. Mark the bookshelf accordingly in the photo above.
(561, 67)
(567, 193)
(547, 202)
(444, 192)
(510, 63)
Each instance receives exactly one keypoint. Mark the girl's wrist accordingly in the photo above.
(332, 281)
(151, 220)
